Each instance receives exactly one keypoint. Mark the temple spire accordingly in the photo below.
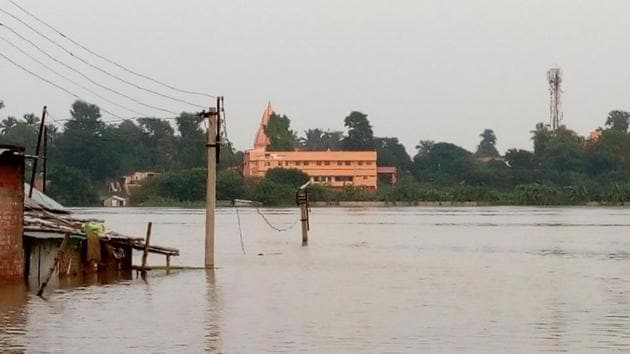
(262, 140)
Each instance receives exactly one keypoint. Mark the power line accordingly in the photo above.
(107, 59)
(53, 84)
(69, 80)
(95, 66)
(82, 74)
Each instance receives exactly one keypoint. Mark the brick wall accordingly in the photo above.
(11, 216)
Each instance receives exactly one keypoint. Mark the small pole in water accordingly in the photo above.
(302, 200)
(145, 254)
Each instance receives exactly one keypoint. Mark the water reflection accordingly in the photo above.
(213, 315)
(380, 280)
(13, 299)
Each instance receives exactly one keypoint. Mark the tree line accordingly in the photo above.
(85, 152)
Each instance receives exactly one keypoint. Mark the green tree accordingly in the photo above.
(541, 137)
(424, 148)
(313, 140)
(281, 137)
(15, 132)
(520, 159)
(290, 177)
(360, 135)
(487, 146)
(191, 143)
(319, 140)
(390, 152)
(445, 164)
(81, 146)
(229, 157)
(71, 187)
(159, 139)
(230, 185)
(618, 120)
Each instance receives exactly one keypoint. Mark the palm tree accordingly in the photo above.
(424, 147)
(8, 124)
(31, 119)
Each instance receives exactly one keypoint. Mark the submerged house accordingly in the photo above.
(115, 201)
(33, 230)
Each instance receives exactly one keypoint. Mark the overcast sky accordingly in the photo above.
(439, 70)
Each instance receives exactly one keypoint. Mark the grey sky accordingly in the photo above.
(440, 70)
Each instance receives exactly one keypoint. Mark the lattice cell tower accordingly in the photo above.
(554, 77)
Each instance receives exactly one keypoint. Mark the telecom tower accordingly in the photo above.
(554, 77)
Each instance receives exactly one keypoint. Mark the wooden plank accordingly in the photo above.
(62, 249)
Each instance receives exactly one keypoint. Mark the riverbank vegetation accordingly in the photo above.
(564, 168)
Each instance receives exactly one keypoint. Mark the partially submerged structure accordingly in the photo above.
(33, 229)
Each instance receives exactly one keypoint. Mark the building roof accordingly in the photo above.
(40, 200)
(115, 197)
(262, 140)
(314, 155)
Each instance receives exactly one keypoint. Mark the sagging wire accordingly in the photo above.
(240, 230)
(275, 227)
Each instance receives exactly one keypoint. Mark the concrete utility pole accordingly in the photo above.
(213, 145)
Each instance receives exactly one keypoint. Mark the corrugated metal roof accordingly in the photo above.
(40, 200)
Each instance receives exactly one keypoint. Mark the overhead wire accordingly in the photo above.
(53, 84)
(70, 80)
(34, 45)
(84, 61)
(107, 59)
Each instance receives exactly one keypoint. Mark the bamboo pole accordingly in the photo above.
(60, 253)
(145, 254)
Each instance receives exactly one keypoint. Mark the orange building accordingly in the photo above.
(333, 168)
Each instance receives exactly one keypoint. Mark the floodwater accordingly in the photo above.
(486, 280)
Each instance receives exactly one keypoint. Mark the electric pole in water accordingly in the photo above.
(213, 146)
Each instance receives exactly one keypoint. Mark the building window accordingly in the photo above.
(348, 163)
(298, 163)
(365, 177)
(267, 164)
(339, 163)
(360, 163)
(305, 163)
(343, 178)
(319, 163)
(326, 163)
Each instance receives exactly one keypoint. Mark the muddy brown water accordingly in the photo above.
(389, 280)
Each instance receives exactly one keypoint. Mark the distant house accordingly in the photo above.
(115, 201)
(127, 183)
(595, 135)
(487, 159)
(388, 172)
